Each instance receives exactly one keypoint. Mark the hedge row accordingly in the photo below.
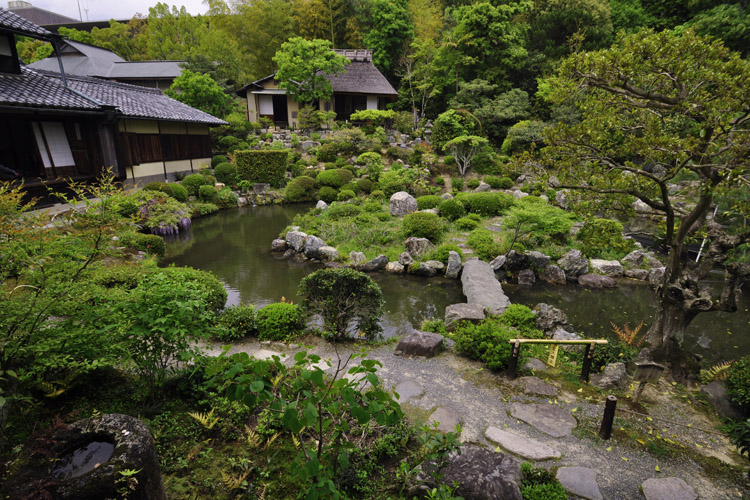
(261, 166)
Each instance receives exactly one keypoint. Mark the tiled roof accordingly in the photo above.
(14, 22)
(80, 59)
(42, 16)
(44, 89)
(145, 69)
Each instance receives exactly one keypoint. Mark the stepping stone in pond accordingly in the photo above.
(447, 417)
(668, 488)
(266, 354)
(408, 390)
(580, 481)
(535, 385)
(550, 419)
(530, 449)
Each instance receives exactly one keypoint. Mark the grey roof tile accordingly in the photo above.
(80, 59)
(18, 24)
(145, 69)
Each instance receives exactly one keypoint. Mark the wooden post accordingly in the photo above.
(609, 417)
(513, 363)
(587, 358)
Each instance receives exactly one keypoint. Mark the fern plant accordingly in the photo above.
(717, 372)
(207, 420)
(629, 336)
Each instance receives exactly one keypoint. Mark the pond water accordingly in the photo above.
(83, 460)
(235, 245)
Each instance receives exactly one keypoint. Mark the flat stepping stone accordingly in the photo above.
(419, 343)
(267, 354)
(535, 365)
(580, 481)
(535, 385)
(550, 419)
(408, 390)
(530, 449)
(668, 488)
(446, 417)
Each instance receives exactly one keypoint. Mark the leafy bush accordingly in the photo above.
(203, 209)
(203, 285)
(540, 484)
(219, 159)
(521, 317)
(161, 214)
(451, 209)
(193, 182)
(522, 135)
(208, 194)
(236, 323)
(261, 166)
(328, 194)
(441, 253)
(373, 162)
(449, 125)
(364, 185)
(457, 183)
(428, 201)
(538, 221)
(466, 224)
(226, 173)
(334, 178)
(483, 243)
(300, 189)
(612, 352)
(377, 195)
(176, 191)
(279, 321)
(345, 194)
(473, 183)
(496, 182)
(602, 238)
(486, 204)
(486, 341)
(423, 225)
(348, 300)
(738, 383)
(739, 433)
(326, 153)
(395, 180)
(149, 243)
(342, 210)
(226, 198)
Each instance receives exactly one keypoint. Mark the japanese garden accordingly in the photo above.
(377, 250)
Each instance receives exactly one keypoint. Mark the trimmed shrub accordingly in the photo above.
(486, 341)
(473, 183)
(373, 162)
(496, 182)
(218, 159)
(395, 180)
(422, 225)
(203, 209)
(176, 191)
(326, 153)
(441, 252)
(328, 194)
(487, 204)
(236, 323)
(193, 182)
(345, 194)
(226, 173)
(377, 195)
(429, 201)
(150, 243)
(457, 183)
(483, 243)
(351, 186)
(279, 321)
(602, 238)
(261, 166)
(521, 317)
(738, 384)
(202, 284)
(539, 221)
(342, 210)
(364, 185)
(300, 189)
(208, 194)
(451, 209)
(334, 178)
(466, 224)
(226, 198)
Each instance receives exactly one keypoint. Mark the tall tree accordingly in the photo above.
(127, 40)
(303, 65)
(655, 106)
(202, 92)
(173, 33)
(390, 34)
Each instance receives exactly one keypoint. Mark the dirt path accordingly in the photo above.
(482, 399)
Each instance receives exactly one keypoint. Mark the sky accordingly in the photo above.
(103, 10)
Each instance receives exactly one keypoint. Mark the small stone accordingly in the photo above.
(376, 264)
(447, 419)
(550, 419)
(436, 265)
(614, 376)
(425, 344)
(596, 281)
(417, 247)
(573, 263)
(498, 262)
(242, 201)
(561, 333)
(422, 269)
(279, 245)
(518, 194)
(535, 385)
(266, 354)
(482, 187)
(289, 253)
(534, 365)
(580, 481)
(548, 317)
(296, 240)
(656, 275)
(394, 268)
(357, 258)
(405, 259)
(321, 205)
(454, 265)
(402, 203)
(668, 488)
(329, 253)
(524, 447)
(312, 247)
(446, 196)
(606, 267)
(637, 274)
(526, 277)
(554, 275)
(408, 390)
(717, 394)
(463, 312)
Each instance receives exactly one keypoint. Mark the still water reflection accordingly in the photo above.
(235, 246)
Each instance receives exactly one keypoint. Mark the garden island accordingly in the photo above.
(502, 252)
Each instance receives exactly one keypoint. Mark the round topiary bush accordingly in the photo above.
(216, 160)
(483, 243)
(300, 189)
(176, 191)
(193, 182)
(457, 183)
(226, 173)
(487, 204)
(150, 243)
(451, 209)
(208, 194)
(466, 224)
(328, 194)
(334, 178)
(423, 225)
(428, 201)
(279, 321)
(351, 186)
(496, 182)
(236, 323)
(472, 183)
(738, 384)
(377, 194)
(345, 194)
(442, 252)
(364, 185)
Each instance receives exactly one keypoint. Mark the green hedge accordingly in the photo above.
(261, 166)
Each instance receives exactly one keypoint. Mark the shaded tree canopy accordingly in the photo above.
(302, 66)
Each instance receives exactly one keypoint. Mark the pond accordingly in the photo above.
(235, 245)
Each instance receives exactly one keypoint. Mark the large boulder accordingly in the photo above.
(402, 203)
(481, 474)
(613, 376)
(606, 267)
(560, 333)
(637, 274)
(394, 268)
(296, 240)
(536, 259)
(424, 344)
(376, 264)
(418, 247)
(515, 261)
(481, 287)
(498, 262)
(357, 258)
(596, 281)
(633, 259)
(312, 247)
(463, 312)
(717, 395)
(321, 205)
(329, 253)
(553, 274)
(549, 317)
(454, 265)
(482, 187)
(436, 265)
(656, 274)
(573, 263)
(422, 269)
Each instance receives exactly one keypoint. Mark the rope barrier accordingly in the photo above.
(671, 422)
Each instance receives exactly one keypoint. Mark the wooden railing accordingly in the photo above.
(588, 355)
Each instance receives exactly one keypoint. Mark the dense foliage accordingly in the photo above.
(261, 166)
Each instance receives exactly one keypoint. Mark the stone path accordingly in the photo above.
(513, 417)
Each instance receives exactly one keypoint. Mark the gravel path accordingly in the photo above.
(482, 399)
